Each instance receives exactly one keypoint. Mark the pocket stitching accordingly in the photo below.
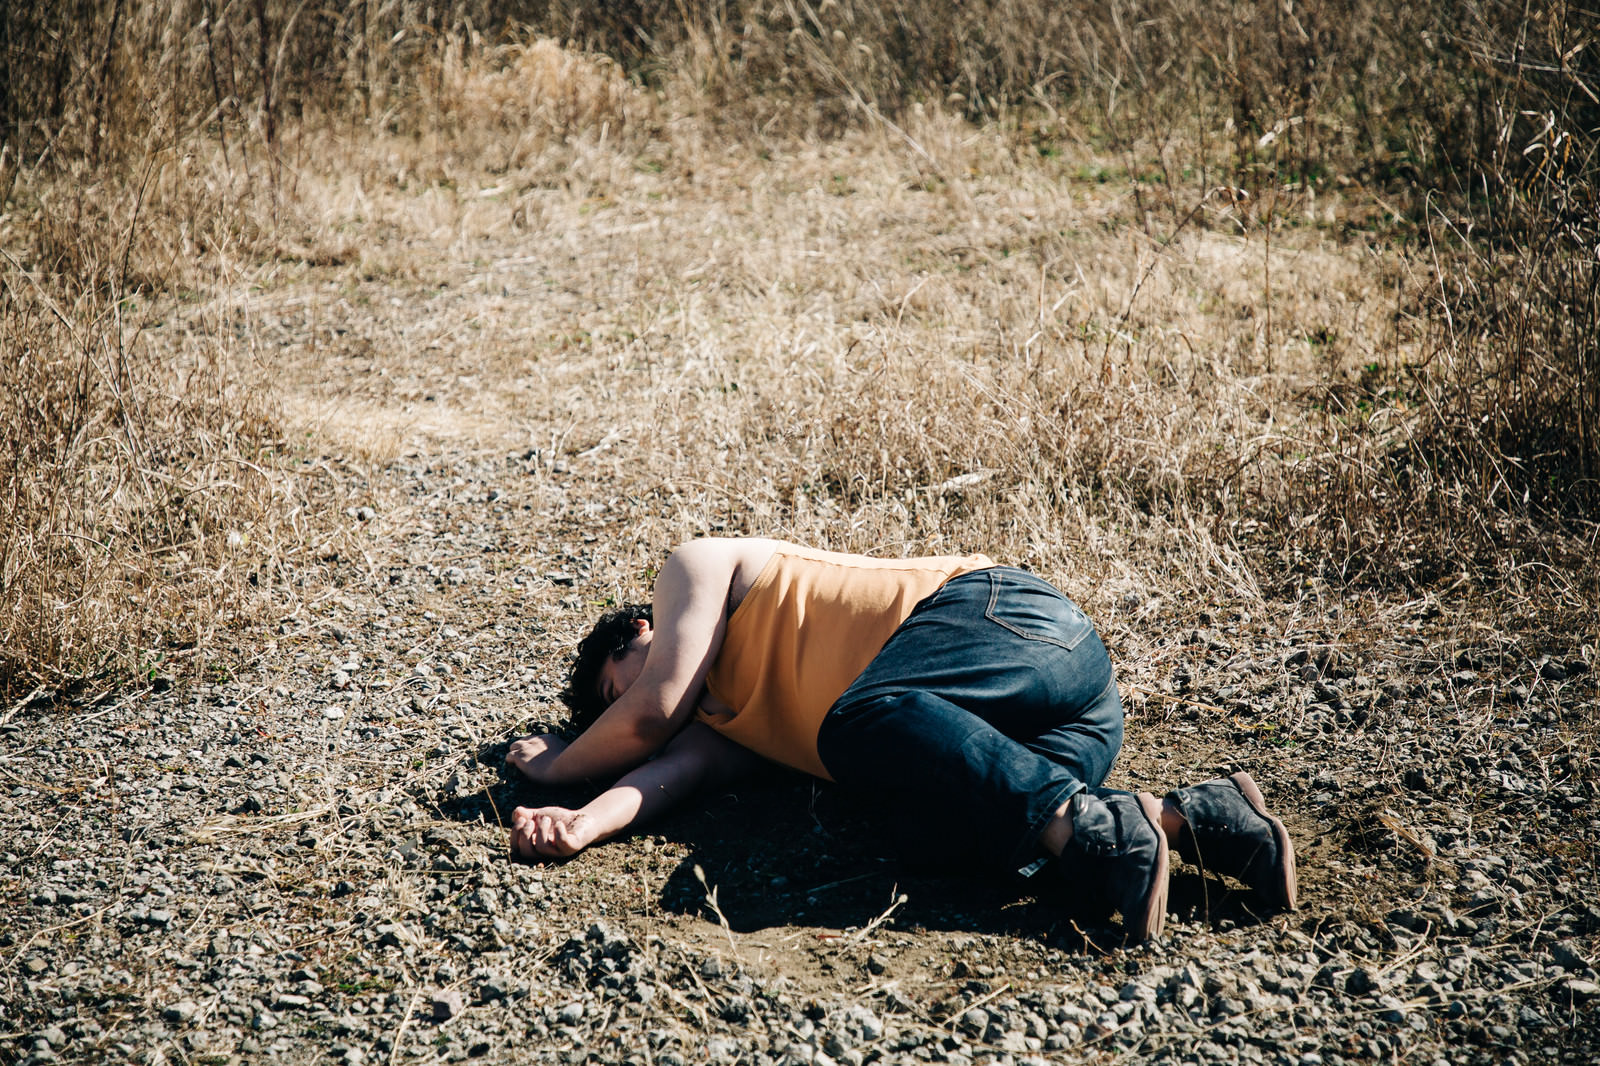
(994, 599)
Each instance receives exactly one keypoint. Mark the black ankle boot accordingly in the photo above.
(1229, 832)
(1118, 857)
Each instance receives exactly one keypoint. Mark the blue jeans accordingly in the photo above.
(991, 706)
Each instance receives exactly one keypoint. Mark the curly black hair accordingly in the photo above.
(608, 639)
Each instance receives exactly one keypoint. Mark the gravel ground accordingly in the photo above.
(300, 858)
(293, 851)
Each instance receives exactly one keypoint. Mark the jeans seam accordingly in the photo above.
(994, 600)
(1101, 695)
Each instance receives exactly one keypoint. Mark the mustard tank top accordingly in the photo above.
(808, 627)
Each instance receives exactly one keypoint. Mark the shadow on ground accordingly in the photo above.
(789, 851)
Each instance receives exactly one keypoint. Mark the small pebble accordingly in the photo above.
(446, 1004)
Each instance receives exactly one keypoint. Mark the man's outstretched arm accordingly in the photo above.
(696, 758)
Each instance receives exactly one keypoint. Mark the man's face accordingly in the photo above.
(622, 670)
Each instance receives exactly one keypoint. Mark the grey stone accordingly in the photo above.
(1360, 982)
(1228, 1006)
(859, 1020)
(1393, 1011)
(1012, 1041)
(737, 1009)
(722, 1049)
(1565, 954)
(1580, 990)
(181, 1012)
(1408, 919)
(447, 1004)
(613, 943)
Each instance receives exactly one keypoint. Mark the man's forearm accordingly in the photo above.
(652, 789)
(605, 748)
(623, 806)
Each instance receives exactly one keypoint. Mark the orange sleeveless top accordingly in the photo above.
(808, 627)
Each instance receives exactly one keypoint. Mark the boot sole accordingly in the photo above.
(1287, 886)
(1142, 927)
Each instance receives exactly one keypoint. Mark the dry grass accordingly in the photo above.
(747, 361)
(136, 499)
(1138, 339)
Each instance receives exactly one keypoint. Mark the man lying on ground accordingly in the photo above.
(972, 703)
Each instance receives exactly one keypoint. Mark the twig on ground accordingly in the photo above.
(711, 901)
(841, 882)
(26, 944)
(20, 704)
(1178, 699)
(411, 1008)
(896, 899)
(975, 1004)
(210, 832)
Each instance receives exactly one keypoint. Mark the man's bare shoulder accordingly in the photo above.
(738, 561)
(731, 552)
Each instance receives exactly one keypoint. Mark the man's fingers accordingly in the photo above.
(522, 843)
(545, 833)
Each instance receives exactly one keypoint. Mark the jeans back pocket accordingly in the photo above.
(1034, 609)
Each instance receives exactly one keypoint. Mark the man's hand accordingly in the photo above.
(696, 758)
(533, 755)
(550, 832)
